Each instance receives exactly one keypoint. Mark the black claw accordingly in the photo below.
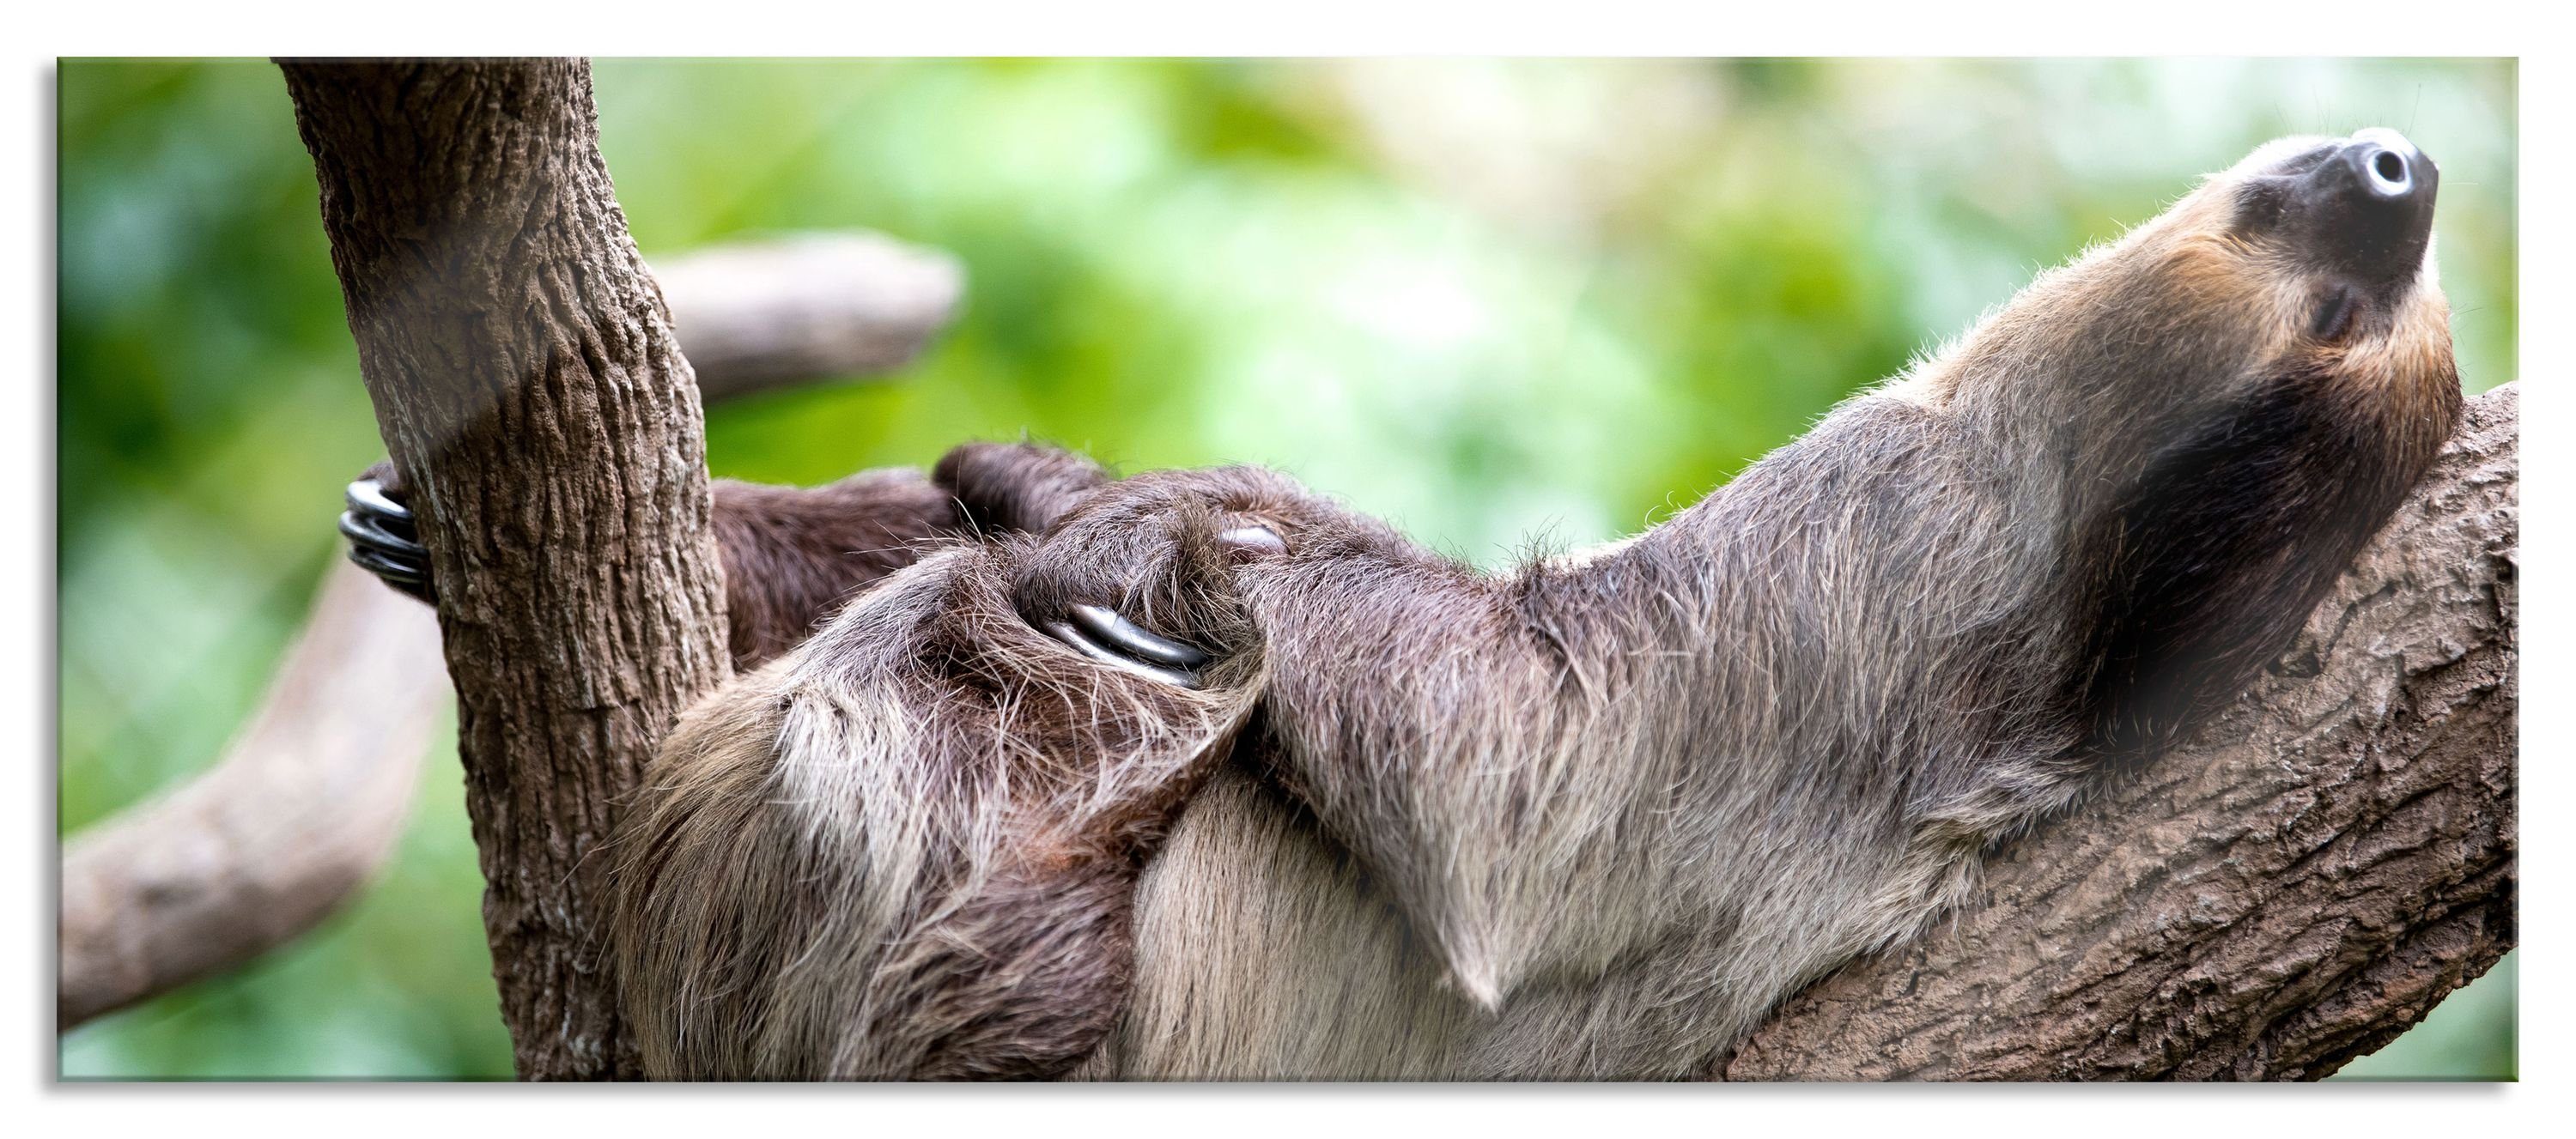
(394, 572)
(368, 497)
(405, 578)
(369, 532)
(384, 540)
(1093, 649)
(1105, 625)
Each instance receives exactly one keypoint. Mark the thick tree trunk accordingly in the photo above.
(529, 389)
(2291, 891)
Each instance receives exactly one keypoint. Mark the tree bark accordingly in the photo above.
(529, 389)
(299, 812)
(2290, 891)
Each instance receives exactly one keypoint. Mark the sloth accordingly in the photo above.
(1200, 775)
(790, 555)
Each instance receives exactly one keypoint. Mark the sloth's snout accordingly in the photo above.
(2366, 206)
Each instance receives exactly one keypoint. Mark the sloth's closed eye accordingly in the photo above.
(2334, 314)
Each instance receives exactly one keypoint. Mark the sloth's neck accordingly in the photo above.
(1883, 560)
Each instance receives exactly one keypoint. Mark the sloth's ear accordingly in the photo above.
(1004, 487)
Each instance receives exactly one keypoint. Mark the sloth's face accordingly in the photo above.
(2332, 241)
(2311, 260)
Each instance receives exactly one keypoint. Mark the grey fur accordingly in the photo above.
(1591, 818)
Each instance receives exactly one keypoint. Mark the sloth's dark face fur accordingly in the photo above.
(1591, 817)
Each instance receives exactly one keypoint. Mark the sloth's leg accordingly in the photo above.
(792, 555)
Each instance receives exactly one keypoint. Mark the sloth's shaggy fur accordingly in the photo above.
(1592, 817)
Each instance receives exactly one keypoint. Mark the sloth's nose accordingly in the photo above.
(2388, 163)
(2371, 204)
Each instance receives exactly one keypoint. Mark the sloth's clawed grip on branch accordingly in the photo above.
(792, 555)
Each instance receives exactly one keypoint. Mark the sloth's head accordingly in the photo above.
(2309, 264)
(2199, 424)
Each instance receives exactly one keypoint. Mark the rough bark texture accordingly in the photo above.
(298, 814)
(760, 316)
(530, 391)
(2295, 888)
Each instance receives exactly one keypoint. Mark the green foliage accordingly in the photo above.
(1489, 300)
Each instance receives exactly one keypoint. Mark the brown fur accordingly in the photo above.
(834, 929)
(792, 555)
(1589, 818)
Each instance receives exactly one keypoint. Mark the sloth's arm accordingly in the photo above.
(1425, 712)
(908, 848)
(791, 555)
(1485, 747)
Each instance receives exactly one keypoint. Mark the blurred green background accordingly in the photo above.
(1489, 300)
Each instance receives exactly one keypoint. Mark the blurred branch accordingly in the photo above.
(2293, 890)
(300, 811)
(763, 315)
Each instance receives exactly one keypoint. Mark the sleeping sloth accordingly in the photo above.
(1200, 775)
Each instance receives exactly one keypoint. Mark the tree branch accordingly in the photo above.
(298, 815)
(292, 821)
(2291, 891)
(528, 385)
(759, 316)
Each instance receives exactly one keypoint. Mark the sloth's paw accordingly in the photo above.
(1139, 574)
(383, 538)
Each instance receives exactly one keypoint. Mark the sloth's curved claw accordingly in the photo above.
(407, 579)
(1084, 644)
(1107, 627)
(366, 531)
(369, 496)
(384, 542)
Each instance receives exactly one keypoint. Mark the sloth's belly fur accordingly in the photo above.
(1263, 952)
